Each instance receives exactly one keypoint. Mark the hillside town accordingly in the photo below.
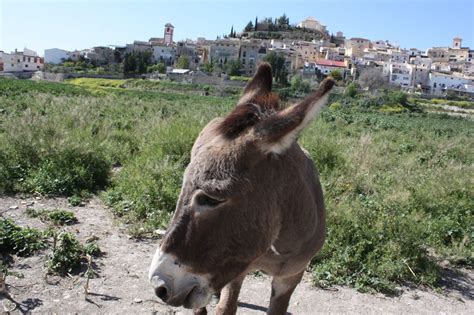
(307, 49)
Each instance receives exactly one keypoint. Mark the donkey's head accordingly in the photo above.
(228, 210)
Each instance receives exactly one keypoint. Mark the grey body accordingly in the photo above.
(251, 200)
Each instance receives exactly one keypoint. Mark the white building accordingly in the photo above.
(380, 44)
(55, 55)
(278, 44)
(440, 82)
(441, 67)
(326, 66)
(413, 52)
(398, 55)
(399, 74)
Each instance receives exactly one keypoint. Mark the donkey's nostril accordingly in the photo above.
(162, 293)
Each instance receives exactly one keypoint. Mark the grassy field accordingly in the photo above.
(398, 186)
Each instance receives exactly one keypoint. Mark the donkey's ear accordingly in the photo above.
(279, 131)
(260, 84)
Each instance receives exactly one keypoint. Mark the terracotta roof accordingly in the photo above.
(331, 63)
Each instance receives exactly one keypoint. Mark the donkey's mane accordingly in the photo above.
(248, 114)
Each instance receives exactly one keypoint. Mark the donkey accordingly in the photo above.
(250, 200)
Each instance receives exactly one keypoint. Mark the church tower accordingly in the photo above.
(169, 34)
(457, 42)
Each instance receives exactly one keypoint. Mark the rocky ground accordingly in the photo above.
(122, 287)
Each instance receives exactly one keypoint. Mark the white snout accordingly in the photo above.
(175, 284)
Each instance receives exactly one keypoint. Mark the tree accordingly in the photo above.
(336, 74)
(283, 21)
(144, 60)
(183, 62)
(299, 85)
(130, 63)
(248, 27)
(351, 90)
(232, 31)
(372, 79)
(277, 61)
(159, 67)
(137, 62)
(208, 67)
(233, 67)
(256, 23)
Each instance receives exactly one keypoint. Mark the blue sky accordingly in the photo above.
(71, 24)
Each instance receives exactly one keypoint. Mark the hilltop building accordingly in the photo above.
(312, 24)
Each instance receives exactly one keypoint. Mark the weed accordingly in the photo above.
(68, 254)
(19, 241)
(75, 200)
(56, 217)
(92, 249)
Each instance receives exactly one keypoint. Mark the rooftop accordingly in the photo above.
(331, 63)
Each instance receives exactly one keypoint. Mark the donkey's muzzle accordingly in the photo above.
(175, 285)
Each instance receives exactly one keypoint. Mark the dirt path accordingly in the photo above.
(122, 283)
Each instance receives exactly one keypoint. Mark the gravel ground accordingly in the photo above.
(122, 286)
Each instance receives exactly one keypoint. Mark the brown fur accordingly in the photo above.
(271, 214)
(248, 114)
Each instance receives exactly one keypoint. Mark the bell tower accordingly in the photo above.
(169, 28)
(457, 42)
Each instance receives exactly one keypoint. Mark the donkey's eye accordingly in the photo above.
(204, 200)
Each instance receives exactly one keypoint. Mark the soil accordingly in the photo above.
(122, 287)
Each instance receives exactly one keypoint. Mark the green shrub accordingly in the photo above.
(19, 241)
(69, 172)
(69, 255)
(61, 217)
(351, 90)
(397, 199)
(92, 249)
(56, 217)
(75, 200)
(335, 105)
